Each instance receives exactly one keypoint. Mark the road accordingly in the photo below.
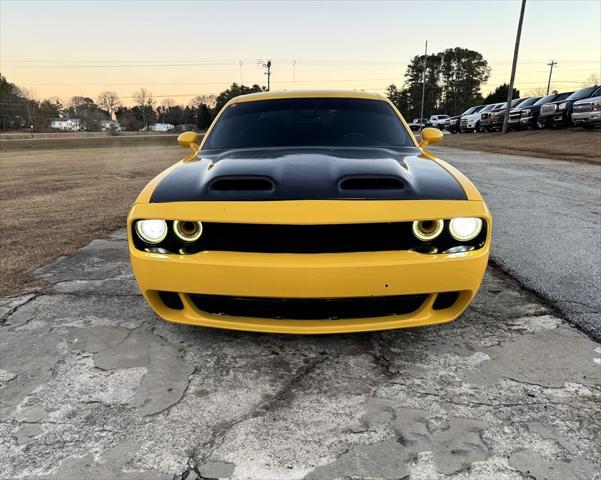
(94, 385)
(547, 226)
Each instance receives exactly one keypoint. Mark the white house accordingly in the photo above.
(67, 124)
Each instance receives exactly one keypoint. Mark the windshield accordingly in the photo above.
(341, 122)
(582, 93)
(469, 111)
(528, 102)
(546, 99)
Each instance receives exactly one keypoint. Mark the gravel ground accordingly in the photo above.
(94, 386)
(547, 226)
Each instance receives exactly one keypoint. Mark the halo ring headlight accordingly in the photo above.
(464, 229)
(427, 230)
(187, 231)
(151, 231)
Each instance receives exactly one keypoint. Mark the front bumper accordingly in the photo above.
(587, 118)
(556, 119)
(311, 276)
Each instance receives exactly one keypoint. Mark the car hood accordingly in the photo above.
(308, 173)
(588, 100)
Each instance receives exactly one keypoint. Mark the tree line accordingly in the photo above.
(453, 79)
(19, 110)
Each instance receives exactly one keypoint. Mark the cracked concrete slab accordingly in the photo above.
(93, 385)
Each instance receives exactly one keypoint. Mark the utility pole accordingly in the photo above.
(267, 65)
(421, 115)
(513, 68)
(552, 63)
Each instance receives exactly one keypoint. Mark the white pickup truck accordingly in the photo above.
(438, 121)
(470, 119)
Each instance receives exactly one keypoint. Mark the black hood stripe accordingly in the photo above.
(309, 174)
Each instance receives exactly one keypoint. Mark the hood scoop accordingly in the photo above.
(242, 184)
(309, 173)
(370, 182)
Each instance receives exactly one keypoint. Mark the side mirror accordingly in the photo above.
(430, 136)
(188, 140)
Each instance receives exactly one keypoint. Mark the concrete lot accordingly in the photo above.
(94, 386)
(547, 226)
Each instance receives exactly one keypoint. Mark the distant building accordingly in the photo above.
(66, 124)
(161, 127)
(184, 127)
(110, 126)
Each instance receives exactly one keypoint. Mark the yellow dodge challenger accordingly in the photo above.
(309, 212)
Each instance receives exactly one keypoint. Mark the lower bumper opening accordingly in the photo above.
(308, 309)
(171, 300)
(445, 300)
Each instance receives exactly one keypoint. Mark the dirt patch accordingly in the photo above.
(571, 144)
(54, 202)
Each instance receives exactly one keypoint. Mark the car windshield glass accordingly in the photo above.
(479, 108)
(469, 111)
(582, 93)
(528, 102)
(563, 96)
(342, 122)
(546, 99)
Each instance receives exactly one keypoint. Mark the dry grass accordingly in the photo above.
(571, 144)
(56, 201)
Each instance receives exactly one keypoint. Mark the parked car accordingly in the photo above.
(336, 248)
(526, 116)
(452, 124)
(498, 116)
(470, 119)
(559, 113)
(587, 113)
(438, 121)
(485, 123)
(419, 123)
(515, 115)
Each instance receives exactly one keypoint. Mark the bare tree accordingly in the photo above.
(208, 100)
(167, 103)
(593, 79)
(537, 92)
(109, 101)
(145, 101)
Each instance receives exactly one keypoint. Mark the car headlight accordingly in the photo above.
(151, 231)
(526, 112)
(187, 231)
(465, 228)
(562, 106)
(426, 230)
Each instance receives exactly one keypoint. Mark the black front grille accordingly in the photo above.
(271, 238)
(308, 238)
(308, 308)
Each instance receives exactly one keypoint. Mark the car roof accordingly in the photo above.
(273, 95)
